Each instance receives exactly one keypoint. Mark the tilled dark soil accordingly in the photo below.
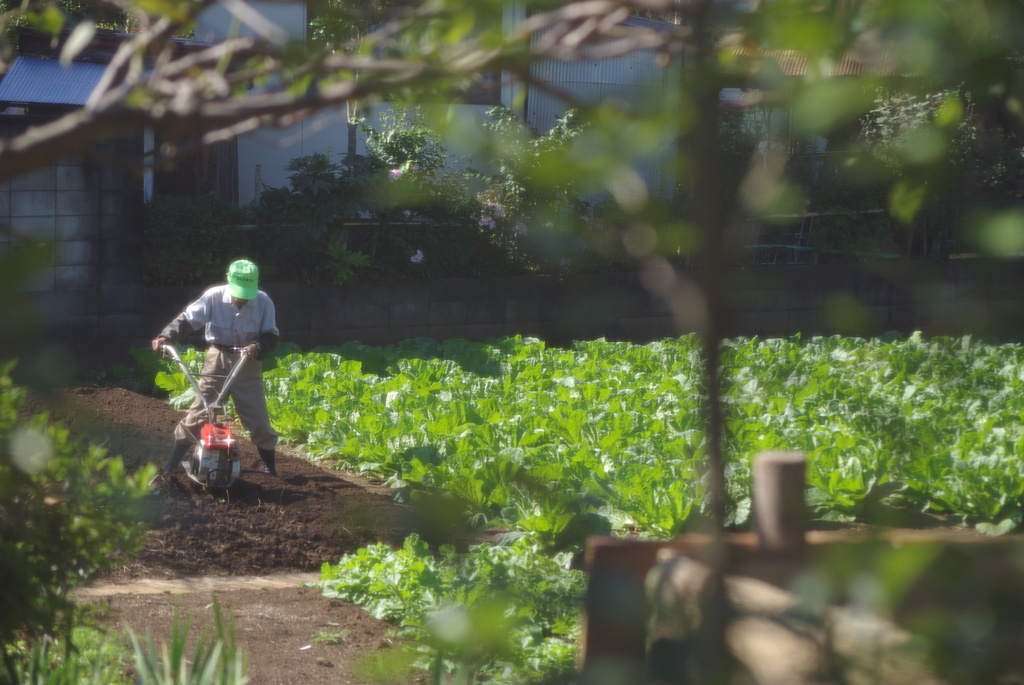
(261, 526)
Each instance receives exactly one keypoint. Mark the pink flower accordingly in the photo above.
(486, 222)
(394, 174)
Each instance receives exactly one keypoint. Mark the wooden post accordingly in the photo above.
(779, 492)
(617, 608)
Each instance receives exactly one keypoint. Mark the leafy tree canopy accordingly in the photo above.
(338, 23)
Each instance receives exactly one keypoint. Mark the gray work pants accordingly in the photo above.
(246, 391)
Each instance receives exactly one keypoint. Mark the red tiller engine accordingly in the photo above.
(214, 461)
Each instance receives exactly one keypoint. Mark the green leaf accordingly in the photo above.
(1003, 527)
(906, 199)
(79, 39)
(50, 21)
(1002, 234)
(830, 104)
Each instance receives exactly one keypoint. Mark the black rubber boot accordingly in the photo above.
(268, 457)
(178, 451)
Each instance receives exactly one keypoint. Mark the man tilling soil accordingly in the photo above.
(237, 319)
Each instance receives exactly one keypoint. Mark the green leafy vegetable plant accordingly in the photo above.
(569, 442)
(215, 660)
(504, 613)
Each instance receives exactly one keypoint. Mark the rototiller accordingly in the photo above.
(213, 461)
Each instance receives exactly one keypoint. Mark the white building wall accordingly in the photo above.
(635, 80)
(283, 19)
(264, 155)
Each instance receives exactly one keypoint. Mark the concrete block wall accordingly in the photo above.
(951, 299)
(102, 324)
(473, 309)
(381, 313)
(959, 297)
(88, 213)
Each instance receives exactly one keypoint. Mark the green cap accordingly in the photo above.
(243, 279)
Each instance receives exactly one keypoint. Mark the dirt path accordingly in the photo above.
(292, 635)
(151, 586)
(248, 551)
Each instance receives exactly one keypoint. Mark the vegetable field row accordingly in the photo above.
(559, 443)
(611, 435)
(603, 435)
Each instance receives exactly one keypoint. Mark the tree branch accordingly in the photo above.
(190, 97)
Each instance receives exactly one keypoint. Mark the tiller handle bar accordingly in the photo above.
(211, 409)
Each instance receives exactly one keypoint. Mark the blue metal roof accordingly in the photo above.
(36, 81)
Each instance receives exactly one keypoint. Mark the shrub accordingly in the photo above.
(417, 215)
(400, 206)
(343, 263)
(66, 511)
(190, 240)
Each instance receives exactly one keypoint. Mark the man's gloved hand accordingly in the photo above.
(159, 342)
